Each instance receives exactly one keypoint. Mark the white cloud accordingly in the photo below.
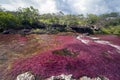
(87, 6)
(14, 4)
(67, 6)
(47, 6)
(44, 6)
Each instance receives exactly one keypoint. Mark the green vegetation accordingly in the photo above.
(111, 30)
(27, 14)
(7, 20)
(30, 18)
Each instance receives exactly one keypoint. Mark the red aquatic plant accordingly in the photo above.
(92, 59)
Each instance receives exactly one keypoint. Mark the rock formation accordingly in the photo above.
(25, 76)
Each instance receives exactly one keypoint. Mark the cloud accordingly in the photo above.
(88, 6)
(67, 6)
(44, 6)
(14, 4)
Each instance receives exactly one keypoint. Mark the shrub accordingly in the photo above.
(111, 30)
(7, 20)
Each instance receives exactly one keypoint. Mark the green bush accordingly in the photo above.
(7, 20)
(111, 30)
(29, 14)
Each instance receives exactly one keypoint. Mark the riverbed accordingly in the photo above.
(95, 55)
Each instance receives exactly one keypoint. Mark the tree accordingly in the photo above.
(29, 14)
(92, 18)
(112, 14)
(7, 20)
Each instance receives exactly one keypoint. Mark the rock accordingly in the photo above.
(6, 32)
(69, 77)
(61, 77)
(64, 52)
(26, 30)
(85, 78)
(25, 76)
(9, 31)
(97, 78)
(82, 29)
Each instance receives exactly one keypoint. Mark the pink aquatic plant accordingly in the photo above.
(92, 59)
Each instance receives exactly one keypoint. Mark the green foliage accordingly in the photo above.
(113, 22)
(7, 20)
(111, 30)
(92, 18)
(105, 31)
(39, 31)
(28, 14)
(112, 14)
(25, 17)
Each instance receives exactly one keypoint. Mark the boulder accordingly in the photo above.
(25, 76)
(69, 77)
(39, 25)
(6, 32)
(60, 77)
(25, 30)
(9, 31)
(97, 78)
(82, 29)
(58, 27)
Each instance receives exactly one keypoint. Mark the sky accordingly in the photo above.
(66, 6)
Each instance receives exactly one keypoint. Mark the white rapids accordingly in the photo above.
(82, 40)
(96, 40)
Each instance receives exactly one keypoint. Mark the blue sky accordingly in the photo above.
(67, 6)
